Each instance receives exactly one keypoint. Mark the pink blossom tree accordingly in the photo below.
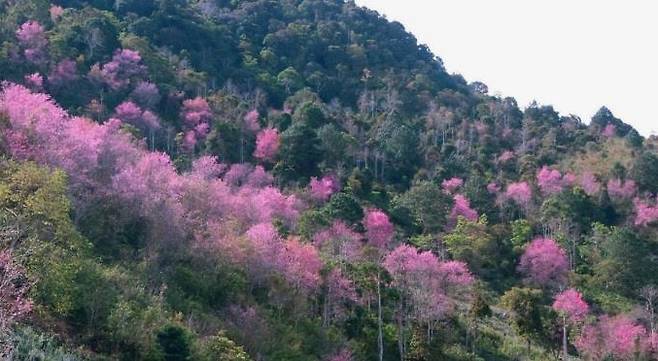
(549, 181)
(339, 293)
(573, 309)
(339, 243)
(520, 193)
(322, 189)
(125, 66)
(146, 94)
(379, 229)
(32, 38)
(645, 213)
(34, 81)
(544, 263)
(196, 116)
(493, 188)
(609, 131)
(267, 144)
(452, 184)
(63, 73)
(590, 184)
(462, 208)
(618, 337)
(56, 12)
(621, 190)
(15, 303)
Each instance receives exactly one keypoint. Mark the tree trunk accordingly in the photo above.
(380, 336)
(565, 350)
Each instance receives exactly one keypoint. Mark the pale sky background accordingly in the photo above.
(576, 55)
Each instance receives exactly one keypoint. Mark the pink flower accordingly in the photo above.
(609, 131)
(621, 190)
(544, 262)
(267, 144)
(549, 181)
(462, 208)
(571, 304)
(520, 193)
(324, 188)
(379, 229)
(452, 184)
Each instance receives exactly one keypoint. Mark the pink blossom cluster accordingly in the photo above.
(196, 116)
(146, 94)
(619, 337)
(426, 283)
(462, 208)
(544, 263)
(32, 39)
(251, 121)
(505, 156)
(125, 65)
(63, 73)
(339, 243)
(451, 185)
(550, 181)
(130, 113)
(520, 193)
(570, 303)
(267, 144)
(493, 188)
(645, 213)
(609, 131)
(34, 81)
(379, 229)
(590, 184)
(56, 12)
(621, 190)
(322, 189)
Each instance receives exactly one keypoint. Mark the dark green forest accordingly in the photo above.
(234, 180)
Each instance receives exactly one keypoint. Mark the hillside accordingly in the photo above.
(301, 180)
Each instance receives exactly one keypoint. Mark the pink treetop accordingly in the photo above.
(56, 12)
(302, 265)
(618, 337)
(549, 181)
(619, 190)
(34, 81)
(15, 303)
(251, 121)
(339, 242)
(645, 213)
(324, 188)
(569, 179)
(455, 273)
(462, 208)
(520, 193)
(267, 144)
(340, 287)
(570, 303)
(505, 156)
(544, 262)
(196, 116)
(64, 72)
(379, 228)
(237, 174)
(609, 131)
(32, 37)
(146, 94)
(117, 74)
(590, 185)
(207, 167)
(493, 188)
(452, 184)
(259, 178)
(131, 113)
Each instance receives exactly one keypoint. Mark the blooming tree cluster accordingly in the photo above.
(570, 303)
(379, 229)
(196, 116)
(645, 213)
(462, 208)
(451, 185)
(617, 337)
(520, 193)
(322, 189)
(544, 263)
(590, 184)
(550, 181)
(267, 144)
(117, 74)
(621, 190)
(32, 38)
(144, 120)
(63, 73)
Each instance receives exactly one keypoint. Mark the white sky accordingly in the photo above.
(576, 55)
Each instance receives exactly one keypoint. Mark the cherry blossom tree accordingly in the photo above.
(32, 38)
(549, 181)
(339, 243)
(609, 131)
(146, 94)
(452, 184)
(544, 263)
(573, 309)
(379, 229)
(462, 208)
(322, 189)
(34, 81)
(621, 190)
(619, 337)
(267, 144)
(590, 184)
(117, 74)
(63, 73)
(493, 188)
(196, 116)
(520, 193)
(645, 213)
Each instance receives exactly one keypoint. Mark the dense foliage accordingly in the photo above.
(301, 180)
